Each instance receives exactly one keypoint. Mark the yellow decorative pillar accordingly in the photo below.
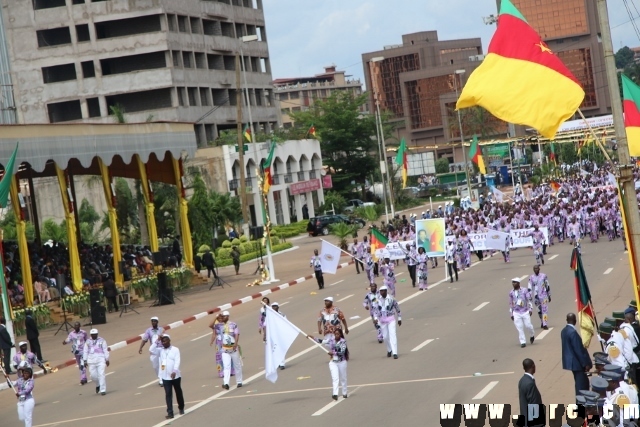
(149, 206)
(183, 210)
(23, 247)
(74, 256)
(113, 221)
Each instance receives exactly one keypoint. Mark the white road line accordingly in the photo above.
(348, 296)
(478, 308)
(286, 302)
(543, 334)
(400, 273)
(332, 404)
(553, 257)
(339, 281)
(485, 390)
(608, 270)
(202, 336)
(150, 383)
(106, 375)
(524, 277)
(422, 345)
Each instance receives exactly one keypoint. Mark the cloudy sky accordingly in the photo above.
(306, 35)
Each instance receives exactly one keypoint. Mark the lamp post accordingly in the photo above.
(383, 154)
(272, 273)
(464, 152)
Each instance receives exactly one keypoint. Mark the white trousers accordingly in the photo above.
(155, 365)
(96, 370)
(338, 374)
(522, 321)
(25, 411)
(389, 336)
(227, 359)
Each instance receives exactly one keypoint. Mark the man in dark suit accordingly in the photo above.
(575, 357)
(5, 346)
(529, 395)
(32, 335)
(176, 252)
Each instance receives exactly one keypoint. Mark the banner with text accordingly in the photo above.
(394, 250)
(520, 238)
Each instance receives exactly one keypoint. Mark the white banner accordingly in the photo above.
(496, 240)
(519, 239)
(329, 257)
(394, 250)
(280, 335)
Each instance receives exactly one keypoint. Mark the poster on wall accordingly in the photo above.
(430, 235)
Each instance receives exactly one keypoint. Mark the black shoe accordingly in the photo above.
(225, 386)
(344, 395)
(532, 339)
(282, 368)
(395, 356)
(523, 345)
(103, 393)
(451, 281)
(239, 385)
(546, 328)
(97, 389)
(170, 416)
(334, 397)
(388, 354)
(380, 341)
(181, 411)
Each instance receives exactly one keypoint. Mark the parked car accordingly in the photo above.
(320, 224)
(356, 203)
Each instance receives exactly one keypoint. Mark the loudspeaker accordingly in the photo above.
(165, 293)
(166, 298)
(122, 266)
(95, 299)
(61, 282)
(158, 258)
(98, 315)
(256, 232)
(162, 281)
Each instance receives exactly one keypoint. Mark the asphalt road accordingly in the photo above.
(456, 345)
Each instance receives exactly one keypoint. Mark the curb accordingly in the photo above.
(174, 325)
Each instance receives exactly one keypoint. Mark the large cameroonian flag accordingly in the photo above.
(475, 154)
(521, 80)
(552, 153)
(247, 133)
(401, 159)
(267, 181)
(631, 103)
(586, 313)
(378, 241)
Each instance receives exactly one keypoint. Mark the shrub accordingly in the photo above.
(226, 244)
(224, 253)
(235, 242)
(224, 262)
(204, 248)
(243, 239)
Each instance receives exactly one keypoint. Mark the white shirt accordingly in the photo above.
(169, 362)
(627, 347)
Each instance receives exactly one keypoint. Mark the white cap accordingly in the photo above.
(21, 343)
(329, 299)
(383, 288)
(93, 331)
(516, 279)
(166, 336)
(155, 318)
(422, 212)
(225, 313)
(275, 303)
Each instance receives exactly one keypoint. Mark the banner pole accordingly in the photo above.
(342, 250)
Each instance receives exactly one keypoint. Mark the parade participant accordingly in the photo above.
(521, 308)
(537, 237)
(369, 267)
(95, 356)
(410, 259)
(451, 257)
(371, 304)
(421, 259)
(77, 338)
(154, 335)
(331, 318)
(24, 392)
(357, 250)
(539, 288)
(613, 344)
(386, 312)
(466, 246)
(262, 318)
(33, 334)
(215, 337)
(317, 268)
(22, 355)
(339, 354)
(389, 276)
(632, 336)
(169, 360)
(230, 336)
(276, 307)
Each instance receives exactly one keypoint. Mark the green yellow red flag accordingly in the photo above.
(378, 241)
(475, 154)
(401, 159)
(521, 80)
(586, 313)
(631, 104)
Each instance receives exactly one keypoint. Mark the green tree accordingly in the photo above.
(200, 214)
(127, 210)
(87, 213)
(624, 57)
(442, 165)
(475, 121)
(8, 226)
(347, 138)
(342, 231)
(165, 200)
(368, 213)
(332, 200)
(54, 231)
(567, 153)
(226, 209)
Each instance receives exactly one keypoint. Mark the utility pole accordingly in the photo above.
(243, 186)
(624, 159)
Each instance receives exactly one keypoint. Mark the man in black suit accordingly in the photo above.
(32, 335)
(575, 357)
(176, 252)
(529, 395)
(209, 262)
(5, 345)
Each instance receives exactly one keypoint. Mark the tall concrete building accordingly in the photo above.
(160, 60)
(416, 84)
(571, 30)
(299, 93)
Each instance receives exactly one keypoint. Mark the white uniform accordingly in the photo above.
(614, 349)
(386, 316)
(96, 355)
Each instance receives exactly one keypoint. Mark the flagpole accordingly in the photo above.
(342, 250)
(595, 138)
(317, 344)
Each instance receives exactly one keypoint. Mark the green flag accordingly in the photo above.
(5, 182)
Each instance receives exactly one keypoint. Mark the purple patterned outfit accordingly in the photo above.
(538, 240)
(77, 340)
(539, 288)
(26, 402)
(371, 303)
(421, 270)
(387, 271)
(520, 304)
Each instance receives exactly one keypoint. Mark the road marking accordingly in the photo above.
(553, 257)
(485, 390)
(286, 302)
(348, 296)
(422, 345)
(478, 308)
(106, 375)
(400, 273)
(608, 270)
(202, 336)
(150, 383)
(339, 281)
(332, 404)
(524, 277)
(543, 334)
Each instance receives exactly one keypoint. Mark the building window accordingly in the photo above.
(88, 69)
(555, 19)
(93, 105)
(54, 37)
(387, 80)
(294, 95)
(424, 100)
(172, 22)
(134, 102)
(175, 55)
(196, 28)
(187, 59)
(59, 73)
(47, 4)
(201, 60)
(131, 63)
(82, 32)
(64, 111)
(295, 109)
(578, 61)
(128, 27)
(183, 24)
(182, 97)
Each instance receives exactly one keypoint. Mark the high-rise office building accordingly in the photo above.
(159, 60)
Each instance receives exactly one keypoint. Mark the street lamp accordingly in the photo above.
(248, 39)
(383, 158)
(464, 153)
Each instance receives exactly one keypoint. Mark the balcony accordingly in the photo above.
(248, 182)
(288, 178)
(233, 184)
(276, 179)
(300, 176)
(312, 174)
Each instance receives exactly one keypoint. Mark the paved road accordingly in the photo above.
(449, 333)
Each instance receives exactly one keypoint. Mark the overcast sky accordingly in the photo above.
(306, 35)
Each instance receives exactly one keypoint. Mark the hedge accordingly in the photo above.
(223, 262)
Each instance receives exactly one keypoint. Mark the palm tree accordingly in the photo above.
(342, 231)
(368, 213)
